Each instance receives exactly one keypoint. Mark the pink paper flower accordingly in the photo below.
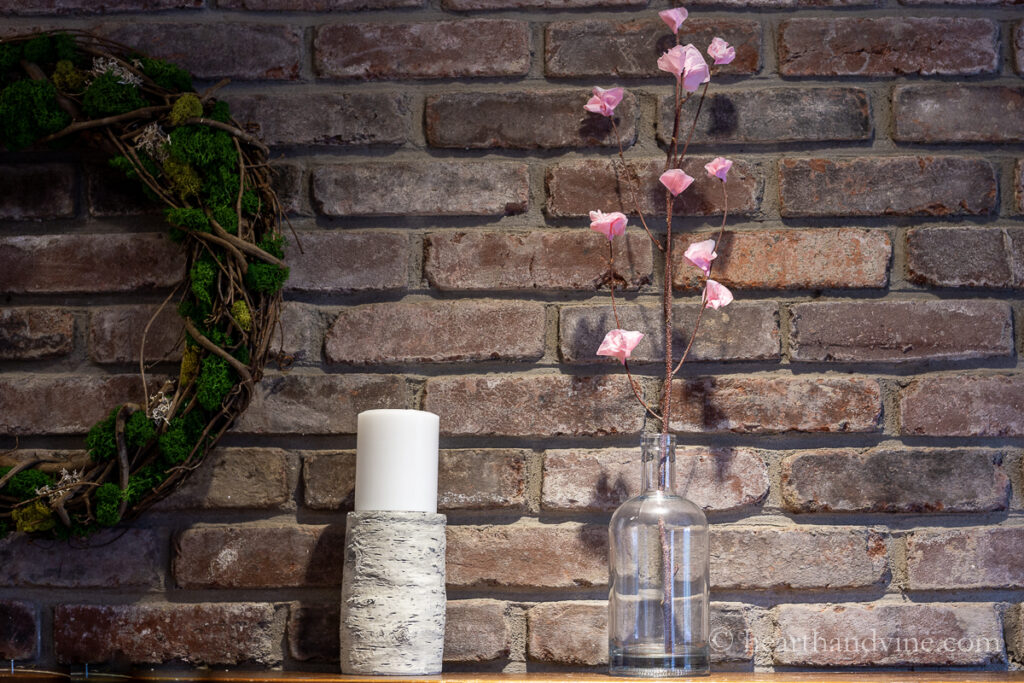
(701, 254)
(673, 17)
(687, 63)
(718, 167)
(608, 224)
(717, 295)
(675, 180)
(721, 51)
(619, 343)
(604, 101)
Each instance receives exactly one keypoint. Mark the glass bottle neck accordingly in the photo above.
(658, 453)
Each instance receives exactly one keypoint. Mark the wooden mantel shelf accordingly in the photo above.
(287, 677)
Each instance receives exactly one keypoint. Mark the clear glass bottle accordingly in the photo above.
(658, 561)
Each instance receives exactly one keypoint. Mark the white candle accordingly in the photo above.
(396, 461)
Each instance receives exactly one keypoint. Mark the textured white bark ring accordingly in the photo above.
(392, 593)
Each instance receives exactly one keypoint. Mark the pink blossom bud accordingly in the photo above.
(608, 224)
(721, 51)
(619, 343)
(701, 254)
(675, 180)
(717, 295)
(604, 101)
(718, 167)
(686, 62)
(673, 17)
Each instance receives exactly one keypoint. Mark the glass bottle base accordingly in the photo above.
(696, 662)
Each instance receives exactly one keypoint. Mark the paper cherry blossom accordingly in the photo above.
(676, 180)
(687, 63)
(673, 17)
(701, 254)
(619, 343)
(604, 101)
(721, 51)
(717, 295)
(608, 224)
(718, 168)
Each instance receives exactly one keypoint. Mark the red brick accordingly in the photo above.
(1019, 184)
(780, 4)
(469, 5)
(154, 633)
(964, 405)
(776, 405)
(935, 257)
(1018, 48)
(958, 113)
(974, 557)
(235, 478)
(817, 258)
(551, 260)
(19, 630)
(259, 556)
(630, 49)
(750, 331)
(326, 118)
(421, 188)
(798, 558)
(887, 634)
(575, 188)
(528, 555)
(37, 191)
(116, 333)
(272, 51)
(28, 402)
(292, 187)
(888, 480)
(900, 331)
(887, 186)
(315, 5)
(584, 480)
(304, 327)
(55, 7)
(773, 115)
(48, 264)
(437, 332)
(525, 119)
(533, 405)
(318, 404)
(442, 49)
(33, 333)
(888, 46)
(329, 480)
(110, 559)
(333, 262)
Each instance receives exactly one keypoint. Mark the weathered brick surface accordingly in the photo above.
(779, 4)
(312, 632)
(1014, 620)
(304, 327)
(290, 183)
(958, 113)
(575, 188)
(116, 333)
(975, 557)
(533, 405)
(315, 5)
(775, 405)
(259, 556)
(749, 331)
(525, 119)
(318, 404)
(886, 634)
(418, 188)
(888, 46)
(85, 263)
(888, 480)
(326, 118)
(31, 333)
(586, 643)
(588, 480)
(1018, 46)
(630, 49)
(818, 258)
(899, 186)
(37, 191)
(527, 555)
(468, 5)
(109, 193)
(466, 479)
(898, 331)
(798, 558)
(774, 115)
(28, 402)
(437, 331)
(1019, 175)
(348, 262)
(442, 49)
(235, 478)
(50, 7)
(206, 633)
(964, 405)
(935, 257)
(553, 260)
(210, 50)
(110, 559)
(19, 630)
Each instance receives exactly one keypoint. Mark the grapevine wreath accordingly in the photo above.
(214, 184)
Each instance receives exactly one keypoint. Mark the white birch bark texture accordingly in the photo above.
(393, 593)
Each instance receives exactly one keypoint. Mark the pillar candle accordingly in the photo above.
(396, 461)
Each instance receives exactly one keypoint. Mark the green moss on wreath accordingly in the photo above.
(107, 96)
(69, 78)
(28, 112)
(216, 379)
(33, 517)
(185, 107)
(168, 76)
(102, 439)
(107, 500)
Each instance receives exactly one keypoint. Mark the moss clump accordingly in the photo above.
(139, 430)
(203, 147)
(168, 76)
(33, 517)
(250, 203)
(183, 178)
(106, 96)
(266, 278)
(226, 218)
(216, 379)
(189, 365)
(107, 500)
(185, 107)
(181, 436)
(190, 219)
(69, 78)
(240, 312)
(28, 112)
(23, 485)
(220, 112)
(46, 50)
(102, 440)
(10, 55)
(202, 277)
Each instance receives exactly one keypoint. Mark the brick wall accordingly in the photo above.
(853, 423)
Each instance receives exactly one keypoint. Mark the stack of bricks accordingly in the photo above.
(852, 424)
